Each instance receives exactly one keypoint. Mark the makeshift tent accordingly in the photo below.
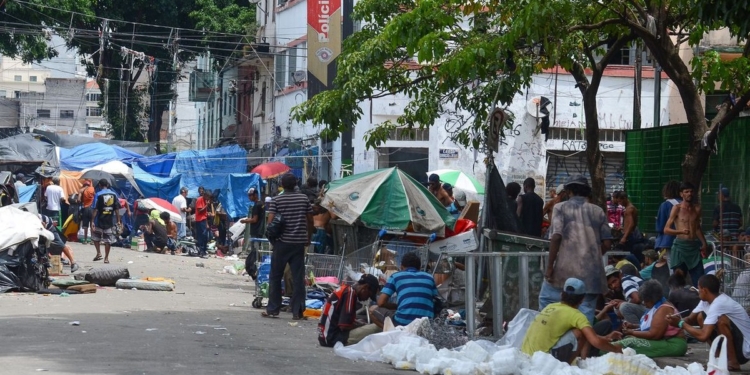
(25, 149)
(154, 186)
(26, 193)
(157, 165)
(234, 196)
(70, 182)
(209, 168)
(118, 169)
(93, 154)
(71, 141)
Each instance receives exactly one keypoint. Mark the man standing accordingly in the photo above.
(718, 314)
(106, 210)
(201, 223)
(690, 243)
(53, 195)
(87, 202)
(296, 213)
(630, 233)
(255, 216)
(180, 202)
(671, 194)
(580, 234)
(437, 190)
(530, 208)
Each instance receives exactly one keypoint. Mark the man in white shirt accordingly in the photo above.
(718, 314)
(53, 195)
(181, 204)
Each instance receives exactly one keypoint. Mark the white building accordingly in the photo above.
(17, 77)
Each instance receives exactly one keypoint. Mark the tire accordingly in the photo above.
(257, 303)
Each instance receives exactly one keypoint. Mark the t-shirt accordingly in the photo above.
(724, 305)
(646, 271)
(732, 218)
(87, 196)
(106, 206)
(180, 203)
(160, 232)
(630, 285)
(531, 214)
(200, 204)
(293, 208)
(582, 226)
(338, 317)
(53, 194)
(259, 211)
(415, 292)
(552, 323)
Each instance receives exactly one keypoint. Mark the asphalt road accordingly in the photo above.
(206, 326)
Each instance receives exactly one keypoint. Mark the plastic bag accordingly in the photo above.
(517, 328)
(370, 348)
(718, 365)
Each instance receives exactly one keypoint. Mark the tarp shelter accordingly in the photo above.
(209, 168)
(234, 196)
(157, 165)
(70, 182)
(93, 154)
(154, 186)
(118, 169)
(26, 193)
(71, 141)
(24, 152)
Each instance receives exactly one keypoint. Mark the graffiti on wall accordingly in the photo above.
(560, 167)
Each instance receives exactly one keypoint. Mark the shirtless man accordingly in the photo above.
(630, 224)
(690, 244)
(437, 190)
(323, 231)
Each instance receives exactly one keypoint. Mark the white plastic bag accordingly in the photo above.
(370, 348)
(517, 328)
(718, 365)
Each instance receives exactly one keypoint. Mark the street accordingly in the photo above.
(206, 326)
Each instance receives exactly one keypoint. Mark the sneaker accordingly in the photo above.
(65, 262)
(74, 267)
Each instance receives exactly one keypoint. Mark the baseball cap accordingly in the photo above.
(460, 197)
(371, 282)
(574, 286)
(560, 188)
(577, 179)
(610, 270)
(434, 178)
(725, 192)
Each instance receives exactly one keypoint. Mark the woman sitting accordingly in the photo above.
(655, 337)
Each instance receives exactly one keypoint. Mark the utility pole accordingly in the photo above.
(637, 86)
(102, 37)
(657, 94)
(172, 102)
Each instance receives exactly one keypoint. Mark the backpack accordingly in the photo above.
(275, 228)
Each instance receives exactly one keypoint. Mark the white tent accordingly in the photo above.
(117, 169)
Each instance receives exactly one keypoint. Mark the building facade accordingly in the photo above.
(17, 77)
(60, 109)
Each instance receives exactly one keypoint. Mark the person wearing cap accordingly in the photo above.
(105, 215)
(256, 215)
(650, 257)
(630, 309)
(563, 331)
(338, 322)
(459, 202)
(579, 235)
(180, 203)
(86, 195)
(437, 190)
(530, 209)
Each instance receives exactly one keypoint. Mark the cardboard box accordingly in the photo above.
(463, 242)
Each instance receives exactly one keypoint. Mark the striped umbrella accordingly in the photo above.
(459, 180)
(387, 199)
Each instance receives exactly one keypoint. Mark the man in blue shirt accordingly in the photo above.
(106, 215)
(415, 291)
(671, 194)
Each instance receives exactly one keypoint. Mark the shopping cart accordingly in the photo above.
(384, 255)
(325, 265)
(263, 263)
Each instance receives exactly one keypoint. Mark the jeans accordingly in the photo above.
(201, 235)
(695, 272)
(549, 294)
(181, 230)
(294, 255)
(632, 312)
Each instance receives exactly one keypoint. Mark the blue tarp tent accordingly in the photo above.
(157, 187)
(157, 165)
(26, 193)
(209, 168)
(93, 154)
(234, 196)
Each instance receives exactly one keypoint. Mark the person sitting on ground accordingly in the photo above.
(415, 291)
(650, 257)
(631, 308)
(681, 295)
(654, 337)
(718, 314)
(563, 331)
(338, 322)
(171, 232)
(58, 245)
(155, 233)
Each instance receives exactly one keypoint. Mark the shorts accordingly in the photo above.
(738, 340)
(106, 236)
(565, 347)
(86, 215)
(57, 244)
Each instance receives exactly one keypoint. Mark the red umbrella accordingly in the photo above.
(163, 206)
(271, 169)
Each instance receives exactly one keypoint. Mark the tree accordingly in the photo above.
(666, 28)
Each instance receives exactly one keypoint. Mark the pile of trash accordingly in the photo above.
(405, 350)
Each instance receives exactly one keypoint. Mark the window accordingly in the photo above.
(263, 99)
(17, 78)
(292, 63)
(42, 113)
(405, 134)
(93, 111)
(3, 93)
(256, 139)
(93, 97)
(66, 113)
(281, 71)
(32, 78)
